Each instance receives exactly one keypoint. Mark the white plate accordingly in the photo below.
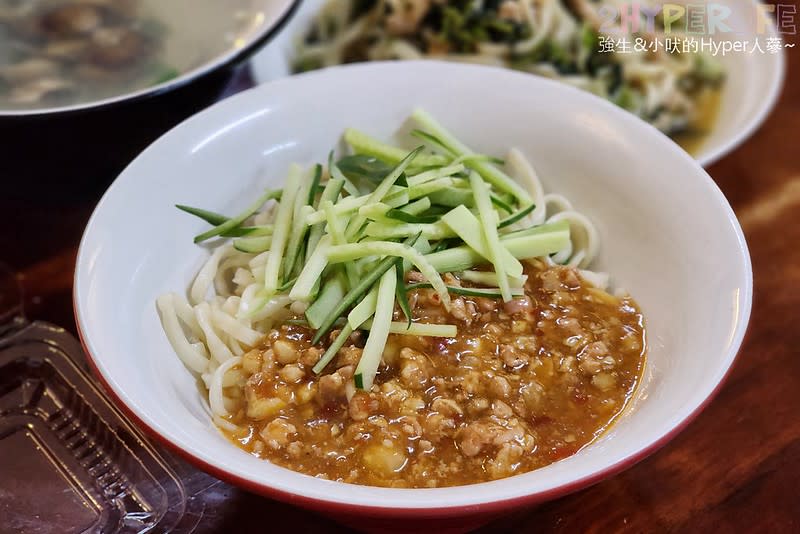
(752, 88)
(668, 235)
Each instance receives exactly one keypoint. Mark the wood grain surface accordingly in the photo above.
(736, 468)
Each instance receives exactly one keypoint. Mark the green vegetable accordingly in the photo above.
(216, 219)
(551, 239)
(303, 197)
(464, 223)
(418, 191)
(355, 224)
(334, 347)
(431, 231)
(283, 227)
(364, 144)
(358, 290)
(489, 278)
(343, 244)
(433, 174)
(500, 203)
(304, 286)
(253, 245)
(404, 216)
(488, 171)
(494, 293)
(209, 216)
(312, 191)
(165, 75)
(401, 291)
(373, 349)
(338, 238)
(337, 174)
(362, 167)
(329, 194)
(330, 296)
(398, 196)
(364, 310)
(516, 217)
(353, 251)
(234, 222)
(417, 207)
(489, 221)
(418, 329)
(708, 69)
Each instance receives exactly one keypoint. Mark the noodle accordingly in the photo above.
(186, 315)
(559, 39)
(219, 351)
(216, 398)
(190, 354)
(206, 275)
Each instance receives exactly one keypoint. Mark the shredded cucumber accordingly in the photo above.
(417, 207)
(329, 194)
(470, 230)
(342, 239)
(489, 222)
(356, 292)
(355, 224)
(303, 287)
(364, 144)
(283, 225)
(253, 245)
(350, 204)
(418, 329)
(364, 310)
(488, 171)
(329, 297)
(373, 349)
(431, 231)
(488, 292)
(433, 174)
(349, 252)
(489, 278)
(303, 197)
(407, 213)
(234, 222)
(548, 241)
(333, 349)
(338, 238)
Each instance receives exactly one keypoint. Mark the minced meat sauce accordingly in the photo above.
(525, 383)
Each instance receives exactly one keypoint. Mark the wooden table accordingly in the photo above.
(736, 468)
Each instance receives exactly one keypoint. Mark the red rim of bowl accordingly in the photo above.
(381, 511)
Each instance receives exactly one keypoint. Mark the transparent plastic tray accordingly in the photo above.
(69, 461)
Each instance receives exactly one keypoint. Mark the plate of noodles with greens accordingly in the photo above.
(378, 305)
(706, 101)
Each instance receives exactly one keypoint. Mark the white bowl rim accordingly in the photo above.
(337, 499)
(269, 29)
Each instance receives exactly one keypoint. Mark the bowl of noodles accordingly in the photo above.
(379, 307)
(705, 100)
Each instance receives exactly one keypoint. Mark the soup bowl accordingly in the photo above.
(192, 49)
(668, 236)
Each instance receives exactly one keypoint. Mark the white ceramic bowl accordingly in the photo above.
(668, 236)
(753, 85)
